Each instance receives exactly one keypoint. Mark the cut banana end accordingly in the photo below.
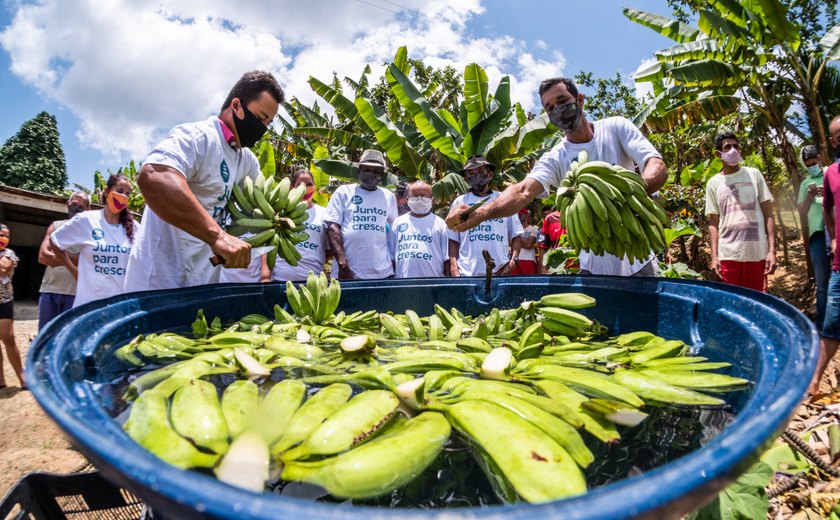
(245, 465)
(358, 345)
(303, 336)
(497, 363)
(410, 392)
(251, 365)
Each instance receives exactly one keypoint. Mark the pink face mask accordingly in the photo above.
(732, 157)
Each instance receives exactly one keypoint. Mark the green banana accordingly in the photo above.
(240, 402)
(311, 414)
(567, 300)
(348, 426)
(418, 331)
(538, 468)
(278, 407)
(196, 415)
(656, 390)
(380, 466)
(588, 382)
(393, 328)
(148, 425)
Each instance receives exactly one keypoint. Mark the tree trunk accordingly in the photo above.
(780, 231)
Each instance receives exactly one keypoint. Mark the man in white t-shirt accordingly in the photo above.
(614, 140)
(741, 225)
(420, 239)
(186, 182)
(500, 237)
(359, 219)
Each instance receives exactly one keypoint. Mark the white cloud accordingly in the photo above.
(132, 69)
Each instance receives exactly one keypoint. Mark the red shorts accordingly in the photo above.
(745, 274)
(525, 267)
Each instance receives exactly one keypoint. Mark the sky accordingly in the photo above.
(119, 74)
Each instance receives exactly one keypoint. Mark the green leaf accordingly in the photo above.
(774, 15)
(694, 112)
(673, 234)
(673, 29)
(343, 106)
(640, 118)
(321, 178)
(521, 117)
(657, 71)
(401, 60)
(265, 156)
(707, 73)
(476, 90)
(830, 43)
(430, 124)
(449, 187)
(718, 26)
(335, 135)
(743, 500)
(483, 133)
(399, 152)
(731, 10)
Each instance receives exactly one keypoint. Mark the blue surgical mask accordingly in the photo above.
(815, 170)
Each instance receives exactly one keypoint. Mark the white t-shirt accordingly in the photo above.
(313, 251)
(737, 199)
(365, 218)
(616, 141)
(250, 274)
(528, 254)
(420, 246)
(163, 256)
(494, 235)
(103, 254)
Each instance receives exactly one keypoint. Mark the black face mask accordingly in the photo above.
(369, 180)
(74, 209)
(249, 129)
(565, 117)
(478, 183)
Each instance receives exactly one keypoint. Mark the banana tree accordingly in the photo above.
(749, 47)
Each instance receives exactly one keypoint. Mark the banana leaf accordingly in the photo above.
(521, 117)
(656, 72)
(706, 49)
(718, 26)
(830, 43)
(667, 27)
(778, 29)
(430, 124)
(401, 60)
(321, 178)
(483, 133)
(446, 189)
(265, 155)
(694, 112)
(334, 135)
(342, 105)
(476, 91)
(707, 73)
(392, 140)
(345, 170)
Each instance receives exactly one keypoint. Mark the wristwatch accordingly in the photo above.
(515, 260)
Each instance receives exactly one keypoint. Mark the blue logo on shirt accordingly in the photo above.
(223, 169)
(97, 234)
(402, 227)
(356, 199)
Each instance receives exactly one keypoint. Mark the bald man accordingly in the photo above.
(831, 214)
(420, 239)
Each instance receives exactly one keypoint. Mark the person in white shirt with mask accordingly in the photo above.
(314, 250)
(420, 239)
(186, 182)
(359, 218)
(501, 237)
(615, 140)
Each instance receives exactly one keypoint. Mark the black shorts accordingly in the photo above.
(7, 310)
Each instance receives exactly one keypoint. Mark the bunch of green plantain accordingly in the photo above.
(273, 212)
(367, 400)
(317, 299)
(606, 209)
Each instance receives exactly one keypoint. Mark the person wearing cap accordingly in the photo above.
(501, 237)
(402, 198)
(420, 239)
(359, 218)
(615, 140)
(527, 252)
(186, 182)
(810, 212)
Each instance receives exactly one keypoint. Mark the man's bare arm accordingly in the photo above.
(510, 201)
(655, 174)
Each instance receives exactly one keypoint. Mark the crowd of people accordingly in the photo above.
(369, 232)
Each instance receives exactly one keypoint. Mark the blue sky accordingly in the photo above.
(118, 77)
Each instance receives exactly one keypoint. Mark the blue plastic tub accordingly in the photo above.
(768, 341)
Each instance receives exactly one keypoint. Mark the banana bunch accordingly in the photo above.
(316, 300)
(607, 210)
(367, 401)
(274, 212)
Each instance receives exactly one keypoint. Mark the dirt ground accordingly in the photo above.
(29, 441)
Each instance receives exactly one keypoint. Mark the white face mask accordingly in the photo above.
(732, 157)
(420, 205)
